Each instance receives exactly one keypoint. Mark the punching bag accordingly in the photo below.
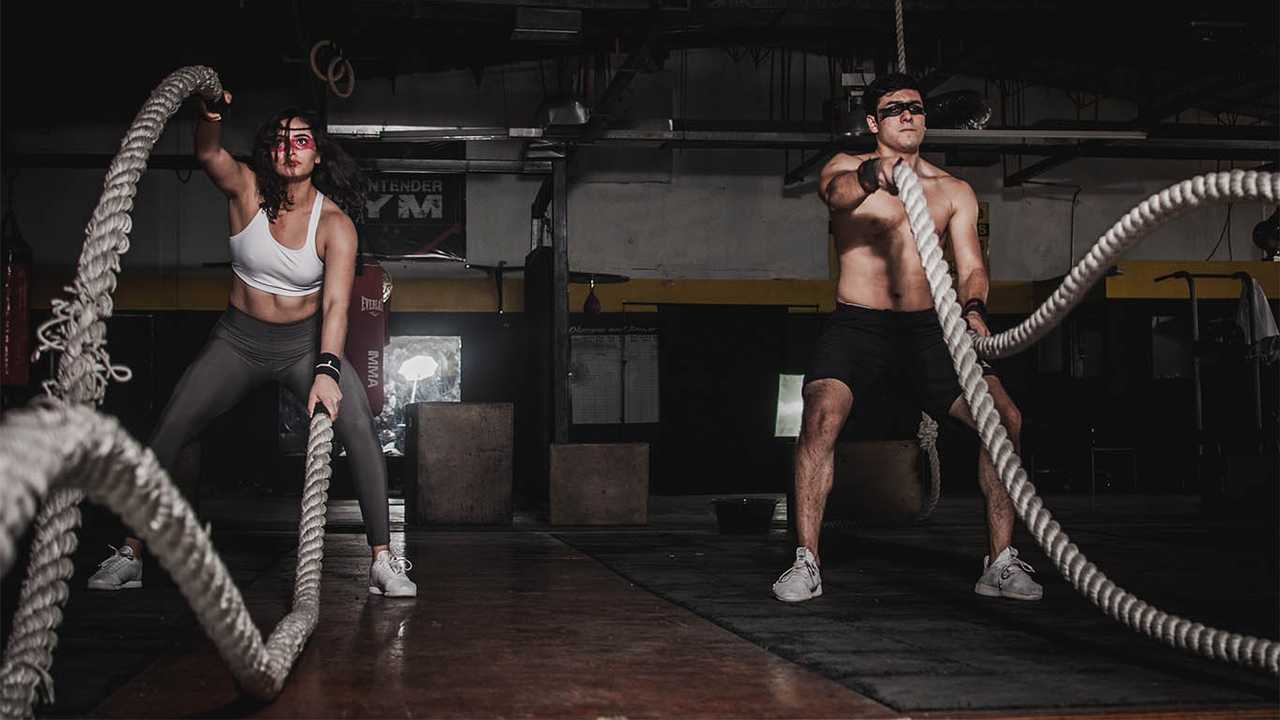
(15, 323)
(367, 324)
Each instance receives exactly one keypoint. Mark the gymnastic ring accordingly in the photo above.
(315, 67)
(347, 71)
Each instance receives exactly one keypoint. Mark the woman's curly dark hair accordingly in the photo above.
(337, 176)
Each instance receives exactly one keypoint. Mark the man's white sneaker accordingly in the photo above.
(121, 571)
(802, 581)
(1008, 577)
(387, 576)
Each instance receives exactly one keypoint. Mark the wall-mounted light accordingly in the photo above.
(417, 368)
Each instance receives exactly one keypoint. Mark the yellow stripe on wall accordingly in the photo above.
(1138, 279)
(141, 291)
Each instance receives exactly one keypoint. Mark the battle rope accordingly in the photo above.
(78, 331)
(1083, 575)
(53, 444)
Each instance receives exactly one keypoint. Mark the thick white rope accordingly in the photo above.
(76, 328)
(1083, 575)
(927, 438)
(53, 444)
(927, 431)
(78, 331)
(1212, 188)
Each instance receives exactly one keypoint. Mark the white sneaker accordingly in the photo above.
(387, 576)
(1008, 577)
(121, 571)
(802, 581)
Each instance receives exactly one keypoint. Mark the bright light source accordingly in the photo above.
(418, 367)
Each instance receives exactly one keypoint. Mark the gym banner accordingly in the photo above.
(368, 321)
(412, 215)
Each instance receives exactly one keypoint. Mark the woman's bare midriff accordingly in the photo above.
(272, 308)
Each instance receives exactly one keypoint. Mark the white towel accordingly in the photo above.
(1264, 323)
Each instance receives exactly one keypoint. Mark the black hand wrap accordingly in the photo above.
(329, 364)
(977, 305)
(869, 175)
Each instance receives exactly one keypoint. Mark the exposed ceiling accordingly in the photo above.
(100, 58)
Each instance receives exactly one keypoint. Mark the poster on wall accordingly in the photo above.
(415, 216)
(613, 375)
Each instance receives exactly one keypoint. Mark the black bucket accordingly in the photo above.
(744, 515)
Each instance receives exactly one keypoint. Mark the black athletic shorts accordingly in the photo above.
(862, 347)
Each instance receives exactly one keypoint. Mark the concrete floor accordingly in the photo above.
(675, 620)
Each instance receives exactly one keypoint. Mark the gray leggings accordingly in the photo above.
(244, 352)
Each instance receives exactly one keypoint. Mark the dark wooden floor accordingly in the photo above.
(533, 622)
(506, 625)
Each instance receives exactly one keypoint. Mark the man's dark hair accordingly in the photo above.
(885, 85)
(337, 176)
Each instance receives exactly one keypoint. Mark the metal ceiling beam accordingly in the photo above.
(92, 161)
(602, 111)
(1149, 119)
(507, 167)
(1079, 143)
(1185, 98)
(1166, 141)
(542, 200)
(1066, 143)
(1039, 168)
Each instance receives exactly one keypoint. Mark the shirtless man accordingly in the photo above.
(884, 318)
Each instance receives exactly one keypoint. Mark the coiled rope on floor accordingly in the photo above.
(927, 439)
(78, 332)
(1083, 575)
(54, 444)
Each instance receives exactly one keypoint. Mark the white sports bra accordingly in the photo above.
(266, 265)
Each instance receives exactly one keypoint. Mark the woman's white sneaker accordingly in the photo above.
(121, 571)
(387, 576)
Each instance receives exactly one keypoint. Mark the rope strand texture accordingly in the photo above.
(1083, 575)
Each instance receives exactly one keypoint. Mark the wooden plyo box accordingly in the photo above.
(600, 484)
(458, 463)
(883, 482)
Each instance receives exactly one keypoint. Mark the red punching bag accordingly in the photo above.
(15, 323)
(367, 324)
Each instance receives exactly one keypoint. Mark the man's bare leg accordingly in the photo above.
(1005, 575)
(827, 404)
(999, 507)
